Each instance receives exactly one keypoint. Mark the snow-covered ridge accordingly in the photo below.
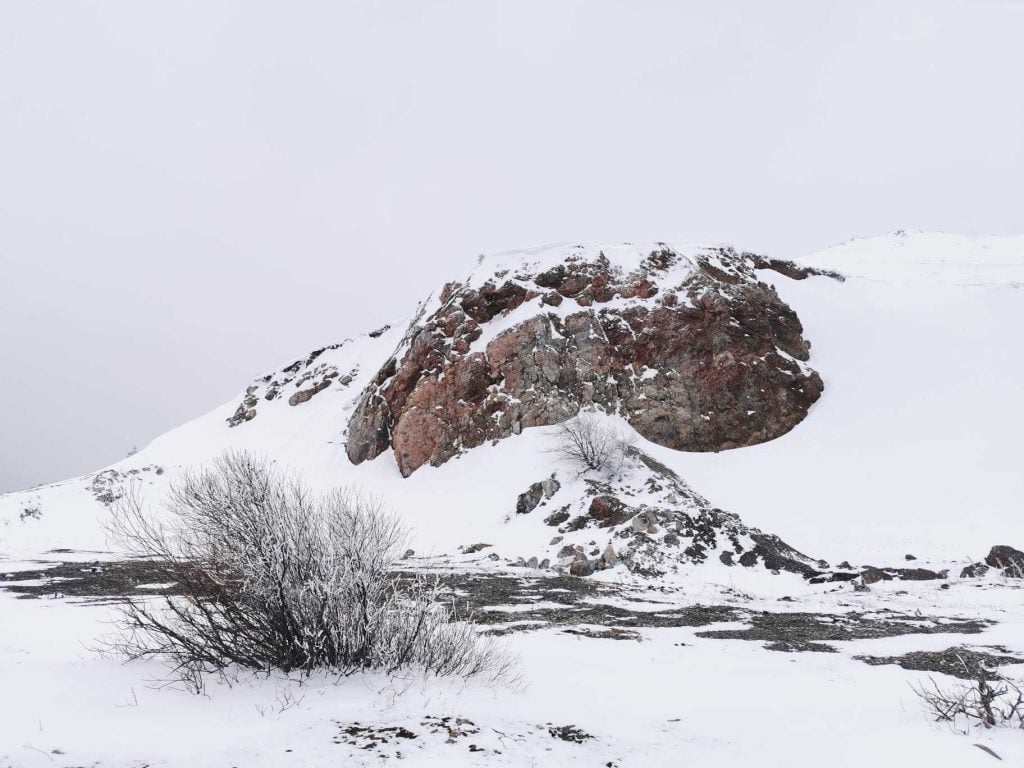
(927, 257)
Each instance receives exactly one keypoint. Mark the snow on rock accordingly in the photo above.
(686, 343)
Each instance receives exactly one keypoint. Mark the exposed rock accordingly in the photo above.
(408, 553)
(529, 499)
(307, 377)
(608, 557)
(608, 510)
(473, 548)
(533, 562)
(305, 394)
(909, 557)
(581, 567)
(974, 571)
(558, 517)
(1008, 559)
(872, 575)
(720, 366)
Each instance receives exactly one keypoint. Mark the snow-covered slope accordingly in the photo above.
(913, 448)
(916, 445)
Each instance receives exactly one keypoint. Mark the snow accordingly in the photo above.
(673, 698)
(913, 448)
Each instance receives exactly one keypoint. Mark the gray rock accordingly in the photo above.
(581, 567)
(609, 557)
(1008, 559)
(974, 571)
(532, 563)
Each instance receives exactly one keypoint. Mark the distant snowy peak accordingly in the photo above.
(927, 257)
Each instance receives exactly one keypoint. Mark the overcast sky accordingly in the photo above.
(192, 193)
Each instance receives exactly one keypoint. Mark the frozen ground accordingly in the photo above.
(664, 695)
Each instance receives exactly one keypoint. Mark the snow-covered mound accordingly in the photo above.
(912, 448)
(928, 257)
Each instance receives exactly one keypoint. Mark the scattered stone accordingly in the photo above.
(974, 571)
(568, 733)
(473, 548)
(909, 557)
(532, 562)
(555, 540)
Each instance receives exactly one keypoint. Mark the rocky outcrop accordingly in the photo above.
(691, 348)
(647, 520)
(300, 381)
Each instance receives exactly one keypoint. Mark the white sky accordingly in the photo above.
(192, 193)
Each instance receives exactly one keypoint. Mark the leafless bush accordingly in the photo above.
(273, 577)
(989, 701)
(589, 444)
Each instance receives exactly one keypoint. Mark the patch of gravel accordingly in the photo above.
(960, 662)
(96, 579)
(800, 629)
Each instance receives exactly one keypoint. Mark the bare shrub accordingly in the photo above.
(589, 444)
(989, 701)
(271, 577)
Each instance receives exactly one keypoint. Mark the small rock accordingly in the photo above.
(909, 557)
(532, 562)
(556, 540)
(493, 556)
(408, 553)
(974, 571)
(846, 565)
(545, 564)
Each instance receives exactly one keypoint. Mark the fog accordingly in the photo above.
(193, 193)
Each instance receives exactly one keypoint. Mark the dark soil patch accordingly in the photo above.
(960, 662)
(802, 628)
(95, 579)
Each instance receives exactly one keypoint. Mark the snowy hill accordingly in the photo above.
(912, 446)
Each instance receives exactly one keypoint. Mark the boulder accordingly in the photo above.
(529, 499)
(581, 567)
(1007, 559)
(608, 557)
(608, 511)
(974, 571)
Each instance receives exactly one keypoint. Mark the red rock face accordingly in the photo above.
(703, 358)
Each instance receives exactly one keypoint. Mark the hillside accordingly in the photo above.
(913, 435)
